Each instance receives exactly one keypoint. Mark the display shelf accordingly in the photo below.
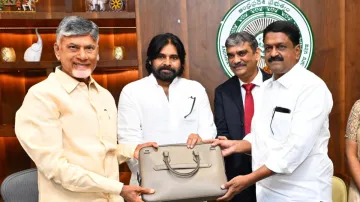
(111, 64)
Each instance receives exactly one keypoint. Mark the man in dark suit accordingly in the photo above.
(235, 102)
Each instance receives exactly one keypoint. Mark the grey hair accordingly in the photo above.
(239, 38)
(77, 26)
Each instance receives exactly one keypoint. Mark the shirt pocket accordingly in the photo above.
(281, 126)
(108, 120)
(190, 126)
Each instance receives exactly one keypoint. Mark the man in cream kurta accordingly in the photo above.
(67, 125)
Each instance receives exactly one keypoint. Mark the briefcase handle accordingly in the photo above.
(180, 174)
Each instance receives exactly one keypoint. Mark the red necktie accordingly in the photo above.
(249, 106)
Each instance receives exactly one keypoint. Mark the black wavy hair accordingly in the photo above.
(286, 27)
(159, 42)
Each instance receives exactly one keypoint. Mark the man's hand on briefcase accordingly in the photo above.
(139, 146)
(227, 146)
(193, 139)
(133, 193)
(235, 186)
(230, 146)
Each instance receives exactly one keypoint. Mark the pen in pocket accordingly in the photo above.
(108, 115)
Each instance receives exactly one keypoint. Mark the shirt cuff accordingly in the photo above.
(125, 152)
(277, 165)
(115, 187)
(249, 137)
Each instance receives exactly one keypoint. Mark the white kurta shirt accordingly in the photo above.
(292, 141)
(146, 114)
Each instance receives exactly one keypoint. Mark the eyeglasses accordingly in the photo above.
(192, 107)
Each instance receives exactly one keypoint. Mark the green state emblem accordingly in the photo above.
(254, 16)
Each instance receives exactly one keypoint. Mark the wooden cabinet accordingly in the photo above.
(17, 30)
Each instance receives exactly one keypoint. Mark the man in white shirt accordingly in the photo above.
(290, 129)
(163, 107)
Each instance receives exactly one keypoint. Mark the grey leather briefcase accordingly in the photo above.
(181, 174)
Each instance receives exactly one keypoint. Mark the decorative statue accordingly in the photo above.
(8, 54)
(33, 53)
(101, 4)
(18, 5)
(28, 4)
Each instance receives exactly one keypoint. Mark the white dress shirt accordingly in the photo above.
(258, 81)
(146, 114)
(294, 145)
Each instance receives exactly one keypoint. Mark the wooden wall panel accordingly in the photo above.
(205, 20)
(116, 81)
(51, 6)
(13, 87)
(12, 90)
(329, 64)
(12, 157)
(117, 37)
(156, 17)
(352, 61)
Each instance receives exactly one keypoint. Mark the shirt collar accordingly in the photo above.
(69, 83)
(154, 81)
(289, 77)
(258, 80)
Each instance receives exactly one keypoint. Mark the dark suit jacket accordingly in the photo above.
(229, 120)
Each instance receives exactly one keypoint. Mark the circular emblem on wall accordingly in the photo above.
(254, 16)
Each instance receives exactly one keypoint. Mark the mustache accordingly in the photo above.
(166, 67)
(238, 64)
(276, 58)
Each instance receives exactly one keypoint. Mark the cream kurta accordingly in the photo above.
(69, 130)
